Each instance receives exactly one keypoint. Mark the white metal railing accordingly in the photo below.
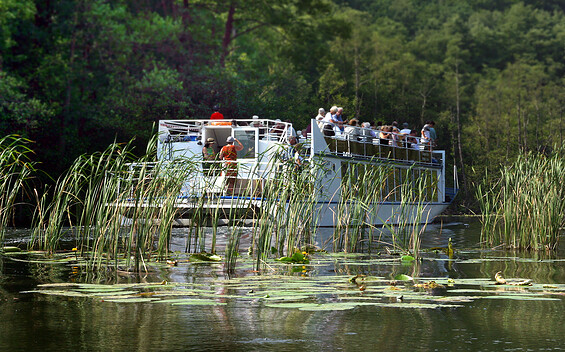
(366, 142)
(199, 180)
(190, 130)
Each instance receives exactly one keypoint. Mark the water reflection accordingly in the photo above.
(33, 322)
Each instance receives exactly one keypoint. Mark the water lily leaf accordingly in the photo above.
(10, 249)
(328, 307)
(403, 277)
(207, 257)
(59, 284)
(522, 298)
(101, 290)
(297, 258)
(288, 298)
(193, 302)
(407, 258)
(420, 305)
(60, 293)
(131, 300)
(113, 293)
(313, 306)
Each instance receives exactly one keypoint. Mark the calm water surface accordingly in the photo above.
(34, 322)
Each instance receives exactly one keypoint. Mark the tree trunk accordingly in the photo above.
(66, 118)
(228, 33)
(458, 124)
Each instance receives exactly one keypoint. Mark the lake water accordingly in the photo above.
(494, 318)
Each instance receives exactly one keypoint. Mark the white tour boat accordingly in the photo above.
(327, 158)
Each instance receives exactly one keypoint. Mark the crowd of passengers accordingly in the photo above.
(332, 124)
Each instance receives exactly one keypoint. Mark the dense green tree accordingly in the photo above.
(76, 75)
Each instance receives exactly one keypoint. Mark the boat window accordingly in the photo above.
(247, 137)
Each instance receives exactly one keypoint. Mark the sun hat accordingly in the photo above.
(230, 139)
(211, 140)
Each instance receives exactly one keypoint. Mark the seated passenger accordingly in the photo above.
(290, 131)
(278, 128)
(385, 135)
(396, 139)
(367, 134)
(405, 129)
(412, 140)
(351, 131)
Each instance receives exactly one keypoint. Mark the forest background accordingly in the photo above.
(77, 75)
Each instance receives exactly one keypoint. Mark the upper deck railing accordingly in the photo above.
(191, 130)
(366, 143)
(360, 145)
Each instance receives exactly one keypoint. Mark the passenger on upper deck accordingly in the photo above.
(290, 130)
(318, 118)
(385, 135)
(433, 135)
(278, 128)
(339, 118)
(330, 116)
(217, 115)
(425, 138)
(396, 137)
(405, 130)
(321, 114)
(367, 132)
(413, 140)
(351, 131)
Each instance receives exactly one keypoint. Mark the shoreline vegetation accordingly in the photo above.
(89, 201)
(525, 207)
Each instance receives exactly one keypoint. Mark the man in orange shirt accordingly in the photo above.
(229, 154)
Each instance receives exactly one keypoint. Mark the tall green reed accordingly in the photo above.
(15, 169)
(417, 188)
(361, 185)
(525, 208)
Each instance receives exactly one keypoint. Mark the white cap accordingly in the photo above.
(255, 116)
(230, 139)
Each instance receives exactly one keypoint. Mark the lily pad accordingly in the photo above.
(131, 300)
(207, 257)
(192, 302)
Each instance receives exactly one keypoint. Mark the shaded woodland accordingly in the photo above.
(77, 75)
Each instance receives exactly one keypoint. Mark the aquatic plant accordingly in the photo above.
(525, 208)
(15, 169)
(361, 193)
(417, 189)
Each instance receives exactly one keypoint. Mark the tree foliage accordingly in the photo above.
(75, 75)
